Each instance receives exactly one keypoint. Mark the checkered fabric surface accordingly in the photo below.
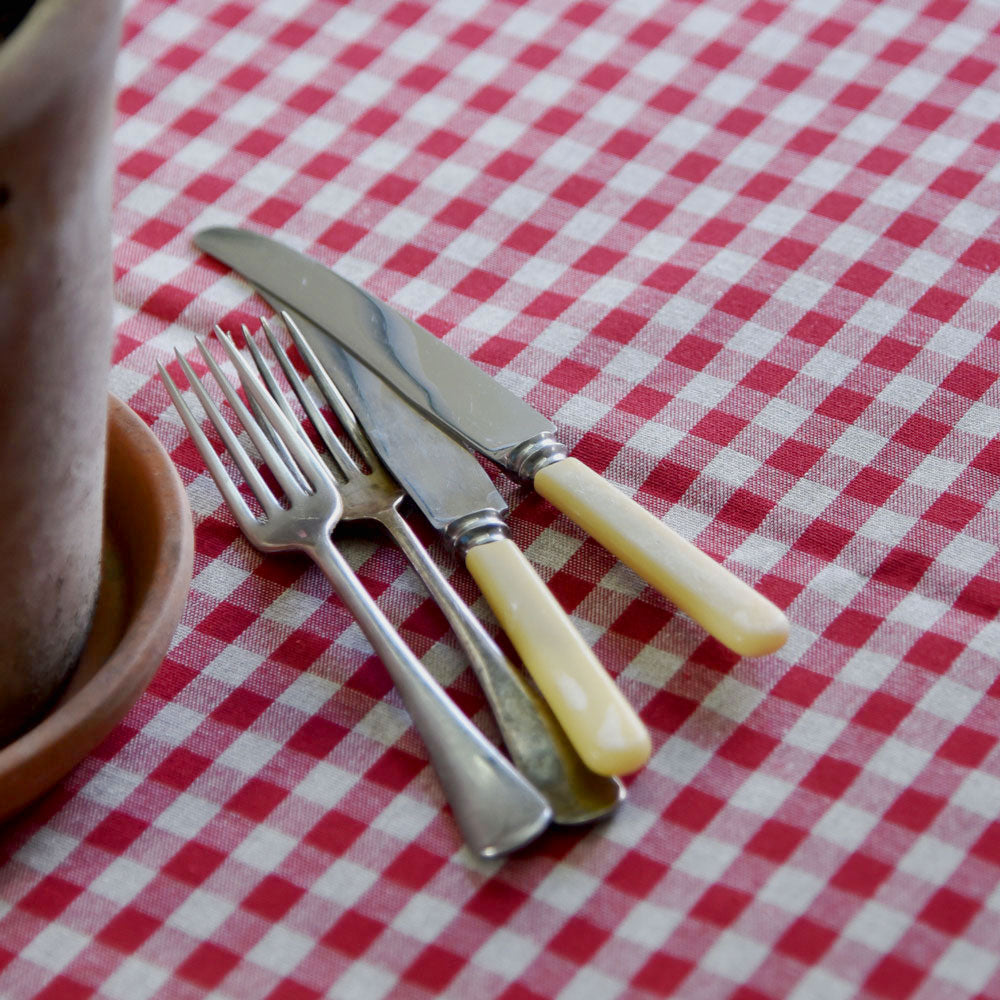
(743, 254)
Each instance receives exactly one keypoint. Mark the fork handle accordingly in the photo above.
(496, 809)
(533, 736)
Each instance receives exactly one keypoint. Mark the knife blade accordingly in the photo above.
(462, 398)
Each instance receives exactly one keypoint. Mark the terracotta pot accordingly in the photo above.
(56, 83)
(148, 551)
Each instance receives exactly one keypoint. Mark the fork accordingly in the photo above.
(536, 742)
(496, 809)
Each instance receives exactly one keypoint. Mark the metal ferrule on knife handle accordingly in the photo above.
(528, 458)
(475, 529)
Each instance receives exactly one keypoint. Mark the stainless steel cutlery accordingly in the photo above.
(495, 807)
(412, 408)
(454, 492)
(536, 742)
(463, 399)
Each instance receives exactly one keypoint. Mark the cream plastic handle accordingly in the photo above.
(602, 726)
(740, 618)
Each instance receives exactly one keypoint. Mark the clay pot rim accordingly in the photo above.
(157, 539)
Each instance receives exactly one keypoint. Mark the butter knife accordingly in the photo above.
(467, 402)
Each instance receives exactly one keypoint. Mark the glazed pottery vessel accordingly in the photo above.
(56, 85)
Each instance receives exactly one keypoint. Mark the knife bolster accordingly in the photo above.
(475, 529)
(529, 457)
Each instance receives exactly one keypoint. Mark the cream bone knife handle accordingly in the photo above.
(740, 618)
(599, 722)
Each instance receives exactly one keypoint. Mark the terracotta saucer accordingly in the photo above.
(148, 552)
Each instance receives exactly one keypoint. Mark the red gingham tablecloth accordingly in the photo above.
(743, 253)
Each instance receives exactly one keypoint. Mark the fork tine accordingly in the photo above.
(299, 447)
(333, 396)
(234, 446)
(279, 397)
(337, 451)
(267, 377)
(246, 464)
(241, 511)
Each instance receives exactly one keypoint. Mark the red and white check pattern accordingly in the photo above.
(744, 254)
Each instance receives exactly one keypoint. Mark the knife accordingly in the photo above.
(460, 500)
(467, 402)
(536, 742)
